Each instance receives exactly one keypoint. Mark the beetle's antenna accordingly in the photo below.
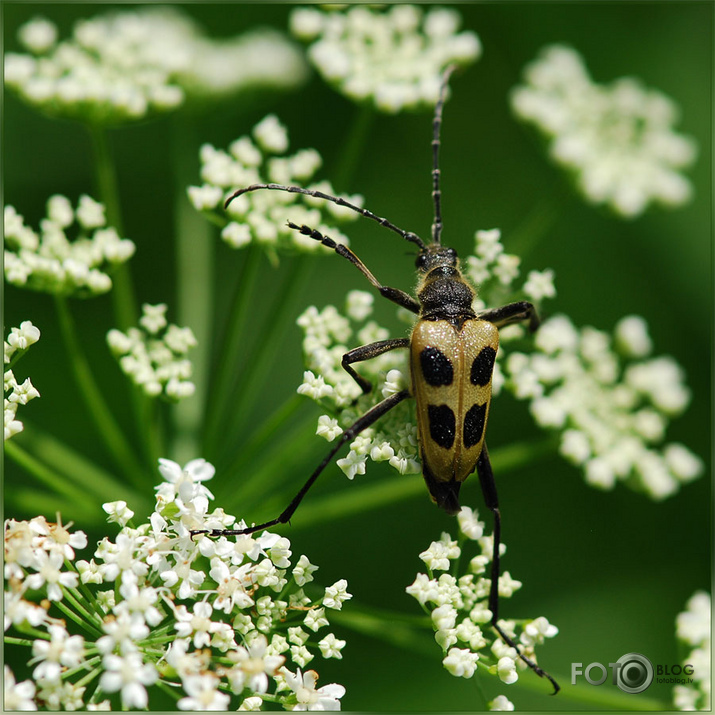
(436, 126)
(407, 235)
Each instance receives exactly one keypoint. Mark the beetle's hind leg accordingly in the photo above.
(358, 426)
(489, 490)
(367, 352)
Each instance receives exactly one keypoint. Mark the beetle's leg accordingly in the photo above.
(362, 423)
(489, 490)
(367, 352)
(512, 313)
(393, 294)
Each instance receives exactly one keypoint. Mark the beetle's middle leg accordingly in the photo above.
(489, 490)
(367, 352)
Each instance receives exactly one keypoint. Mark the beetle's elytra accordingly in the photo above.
(452, 353)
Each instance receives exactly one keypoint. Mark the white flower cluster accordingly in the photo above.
(15, 393)
(618, 139)
(694, 631)
(262, 216)
(459, 606)
(328, 335)
(609, 401)
(393, 59)
(154, 354)
(50, 263)
(224, 624)
(125, 65)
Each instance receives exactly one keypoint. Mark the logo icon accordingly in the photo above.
(633, 673)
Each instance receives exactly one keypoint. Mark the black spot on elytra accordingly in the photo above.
(442, 425)
(436, 367)
(474, 424)
(483, 366)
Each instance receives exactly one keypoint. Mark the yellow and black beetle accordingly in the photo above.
(452, 353)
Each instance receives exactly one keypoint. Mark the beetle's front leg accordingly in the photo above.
(367, 352)
(512, 313)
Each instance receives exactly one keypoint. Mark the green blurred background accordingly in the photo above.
(611, 570)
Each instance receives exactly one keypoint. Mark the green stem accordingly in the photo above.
(229, 352)
(251, 380)
(77, 470)
(268, 433)
(49, 477)
(77, 618)
(195, 248)
(124, 303)
(353, 147)
(253, 488)
(101, 415)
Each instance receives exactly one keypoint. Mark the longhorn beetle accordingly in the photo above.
(452, 353)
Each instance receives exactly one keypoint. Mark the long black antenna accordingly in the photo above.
(436, 126)
(407, 235)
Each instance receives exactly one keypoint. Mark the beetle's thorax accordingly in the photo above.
(443, 292)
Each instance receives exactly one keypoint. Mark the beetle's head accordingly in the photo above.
(435, 261)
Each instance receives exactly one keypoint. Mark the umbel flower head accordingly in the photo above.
(154, 354)
(262, 216)
(15, 393)
(225, 624)
(457, 601)
(390, 58)
(618, 140)
(123, 66)
(609, 401)
(50, 262)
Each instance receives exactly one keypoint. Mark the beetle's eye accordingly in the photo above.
(421, 261)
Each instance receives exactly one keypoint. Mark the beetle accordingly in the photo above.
(452, 352)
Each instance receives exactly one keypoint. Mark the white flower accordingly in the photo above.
(617, 139)
(461, 662)
(694, 631)
(263, 216)
(129, 675)
(60, 650)
(15, 393)
(51, 262)
(48, 574)
(331, 647)
(506, 669)
(359, 304)
(118, 512)
(17, 696)
(203, 694)
(154, 361)
(336, 595)
(501, 704)
(123, 66)
(439, 553)
(310, 698)
(612, 410)
(392, 58)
